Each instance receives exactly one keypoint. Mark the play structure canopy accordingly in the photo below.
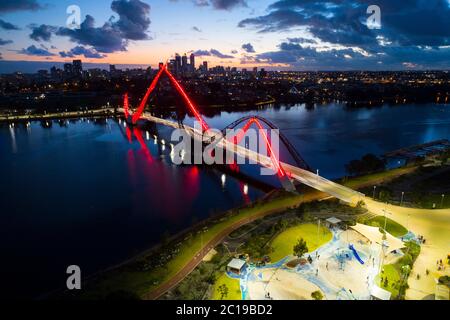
(378, 293)
(333, 221)
(375, 236)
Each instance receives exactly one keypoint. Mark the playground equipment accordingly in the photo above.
(355, 253)
(342, 256)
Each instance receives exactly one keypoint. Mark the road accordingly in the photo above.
(59, 115)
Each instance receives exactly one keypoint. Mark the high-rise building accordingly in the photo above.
(112, 68)
(77, 67)
(68, 70)
(177, 63)
(184, 64)
(192, 61)
(205, 66)
(54, 72)
(171, 65)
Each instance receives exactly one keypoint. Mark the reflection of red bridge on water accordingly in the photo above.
(286, 172)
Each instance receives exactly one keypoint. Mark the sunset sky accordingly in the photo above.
(286, 34)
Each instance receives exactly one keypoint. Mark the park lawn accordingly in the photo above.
(283, 243)
(393, 276)
(392, 227)
(233, 285)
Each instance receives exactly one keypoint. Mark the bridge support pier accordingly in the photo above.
(287, 184)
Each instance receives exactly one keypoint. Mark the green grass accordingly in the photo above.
(362, 181)
(392, 227)
(391, 272)
(234, 290)
(283, 243)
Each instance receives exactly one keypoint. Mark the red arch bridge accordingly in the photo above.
(287, 173)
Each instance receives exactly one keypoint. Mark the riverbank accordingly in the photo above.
(108, 111)
(104, 112)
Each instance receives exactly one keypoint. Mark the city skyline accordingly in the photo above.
(276, 35)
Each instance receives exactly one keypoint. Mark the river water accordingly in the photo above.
(93, 193)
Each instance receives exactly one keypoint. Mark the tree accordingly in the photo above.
(223, 291)
(368, 164)
(317, 295)
(300, 248)
(385, 195)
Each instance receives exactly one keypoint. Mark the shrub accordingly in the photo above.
(317, 295)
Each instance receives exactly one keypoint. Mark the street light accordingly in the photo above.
(442, 201)
(318, 232)
(374, 188)
(385, 219)
(401, 201)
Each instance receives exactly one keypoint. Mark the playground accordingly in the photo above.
(344, 267)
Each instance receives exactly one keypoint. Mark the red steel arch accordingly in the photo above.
(137, 115)
(238, 138)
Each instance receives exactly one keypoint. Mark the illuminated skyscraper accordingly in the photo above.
(177, 63)
(77, 67)
(192, 61)
(184, 64)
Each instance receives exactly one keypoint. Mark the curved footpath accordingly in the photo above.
(434, 226)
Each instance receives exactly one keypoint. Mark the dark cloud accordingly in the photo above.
(19, 5)
(35, 51)
(413, 32)
(411, 22)
(7, 26)
(196, 29)
(218, 54)
(248, 48)
(396, 57)
(106, 38)
(219, 4)
(134, 19)
(113, 36)
(43, 32)
(212, 53)
(234, 52)
(80, 50)
(228, 4)
(4, 42)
